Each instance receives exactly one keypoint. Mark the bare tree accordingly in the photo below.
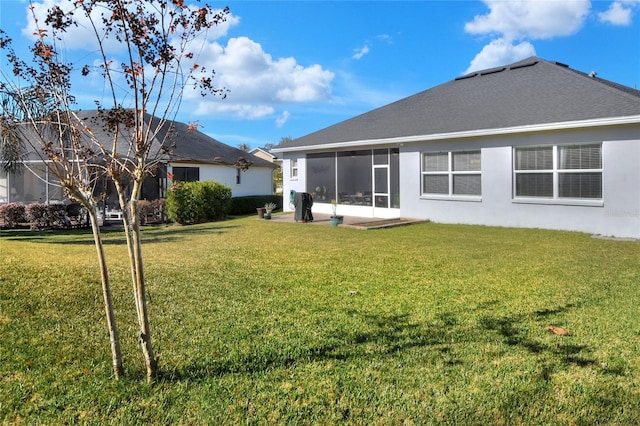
(38, 117)
(131, 134)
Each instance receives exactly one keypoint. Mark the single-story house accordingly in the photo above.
(192, 156)
(531, 144)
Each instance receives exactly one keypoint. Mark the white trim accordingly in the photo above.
(598, 122)
(584, 202)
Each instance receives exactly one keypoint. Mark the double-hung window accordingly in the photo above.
(558, 172)
(451, 173)
(294, 169)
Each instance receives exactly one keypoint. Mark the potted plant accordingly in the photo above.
(335, 220)
(268, 208)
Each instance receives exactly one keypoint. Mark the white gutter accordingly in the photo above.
(598, 122)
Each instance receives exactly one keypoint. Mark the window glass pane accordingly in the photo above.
(580, 157)
(534, 185)
(354, 177)
(435, 184)
(467, 185)
(321, 176)
(382, 201)
(466, 161)
(394, 170)
(153, 186)
(380, 174)
(4, 188)
(30, 185)
(539, 158)
(580, 185)
(56, 193)
(435, 162)
(193, 174)
(186, 174)
(381, 156)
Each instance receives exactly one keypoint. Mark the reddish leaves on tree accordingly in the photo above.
(193, 126)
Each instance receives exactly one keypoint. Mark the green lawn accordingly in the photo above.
(258, 322)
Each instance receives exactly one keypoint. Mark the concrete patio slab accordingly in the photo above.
(349, 221)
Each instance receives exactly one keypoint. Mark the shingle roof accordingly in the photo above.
(188, 145)
(526, 93)
(195, 146)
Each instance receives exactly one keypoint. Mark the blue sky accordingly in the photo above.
(294, 67)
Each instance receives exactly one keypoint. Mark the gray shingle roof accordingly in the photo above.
(195, 146)
(527, 93)
(187, 145)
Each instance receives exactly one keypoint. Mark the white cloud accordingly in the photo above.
(256, 81)
(239, 110)
(619, 13)
(512, 24)
(500, 52)
(532, 19)
(359, 53)
(82, 36)
(284, 117)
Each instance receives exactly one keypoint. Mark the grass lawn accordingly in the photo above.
(259, 322)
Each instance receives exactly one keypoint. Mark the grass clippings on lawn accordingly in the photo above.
(264, 323)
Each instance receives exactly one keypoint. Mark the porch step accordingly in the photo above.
(384, 223)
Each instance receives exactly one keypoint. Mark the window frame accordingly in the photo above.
(555, 172)
(451, 173)
(186, 173)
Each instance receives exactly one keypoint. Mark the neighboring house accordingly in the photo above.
(195, 157)
(277, 172)
(532, 144)
(264, 154)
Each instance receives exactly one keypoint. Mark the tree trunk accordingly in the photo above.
(116, 355)
(131, 223)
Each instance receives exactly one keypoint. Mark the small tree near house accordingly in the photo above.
(159, 41)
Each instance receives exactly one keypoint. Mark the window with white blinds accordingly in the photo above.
(558, 172)
(451, 173)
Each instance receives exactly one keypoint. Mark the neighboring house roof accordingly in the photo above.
(264, 154)
(532, 93)
(188, 144)
(195, 146)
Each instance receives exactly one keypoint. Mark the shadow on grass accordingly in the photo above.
(510, 329)
(385, 335)
(112, 235)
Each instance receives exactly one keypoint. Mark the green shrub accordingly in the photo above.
(12, 214)
(195, 202)
(248, 205)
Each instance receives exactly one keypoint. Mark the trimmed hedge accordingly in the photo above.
(43, 216)
(196, 202)
(248, 205)
(46, 216)
(12, 214)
